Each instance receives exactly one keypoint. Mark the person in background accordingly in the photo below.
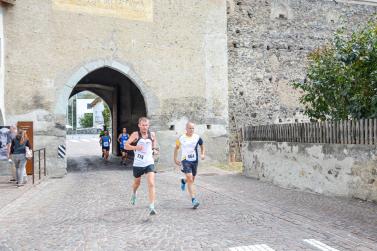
(102, 133)
(122, 139)
(18, 152)
(105, 142)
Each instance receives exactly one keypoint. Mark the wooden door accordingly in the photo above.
(28, 127)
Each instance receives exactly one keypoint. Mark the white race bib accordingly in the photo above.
(105, 144)
(191, 156)
(139, 156)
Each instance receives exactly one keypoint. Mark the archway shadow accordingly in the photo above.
(93, 163)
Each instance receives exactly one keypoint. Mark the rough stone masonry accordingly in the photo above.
(188, 59)
(173, 51)
(268, 43)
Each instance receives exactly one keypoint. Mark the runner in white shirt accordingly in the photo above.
(189, 143)
(143, 143)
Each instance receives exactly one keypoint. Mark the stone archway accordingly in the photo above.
(124, 99)
(86, 77)
(151, 101)
(68, 81)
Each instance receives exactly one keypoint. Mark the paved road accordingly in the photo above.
(83, 145)
(89, 209)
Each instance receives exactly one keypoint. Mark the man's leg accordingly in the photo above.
(151, 191)
(135, 186)
(151, 187)
(194, 201)
(190, 185)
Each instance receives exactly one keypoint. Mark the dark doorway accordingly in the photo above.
(122, 96)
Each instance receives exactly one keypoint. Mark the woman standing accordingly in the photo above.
(18, 153)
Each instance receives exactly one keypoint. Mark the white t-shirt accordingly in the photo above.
(189, 147)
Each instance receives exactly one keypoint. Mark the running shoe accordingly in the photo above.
(183, 185)
(152, 211)
(133, 199)
(195, 203)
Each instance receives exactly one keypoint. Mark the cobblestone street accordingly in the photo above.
(89, 209)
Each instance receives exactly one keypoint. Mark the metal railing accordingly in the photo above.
(39, 156)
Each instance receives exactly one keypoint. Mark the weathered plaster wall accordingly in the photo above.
(344, 170)
(178, 59)
(268, 43)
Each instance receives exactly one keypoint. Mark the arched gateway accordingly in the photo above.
(118, 85)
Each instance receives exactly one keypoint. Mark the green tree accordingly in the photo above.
(106, 115)
(87, 120)
(342, 77)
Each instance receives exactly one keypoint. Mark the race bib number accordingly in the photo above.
(140, 156)
(105, 144)
(191, 156)
(124, 142)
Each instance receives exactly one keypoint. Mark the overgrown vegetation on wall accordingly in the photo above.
(341, 79)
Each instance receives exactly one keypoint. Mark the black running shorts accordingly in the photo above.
(138, 171)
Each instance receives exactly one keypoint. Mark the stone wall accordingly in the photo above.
(330, 169)
(268, 42)
(174, 51)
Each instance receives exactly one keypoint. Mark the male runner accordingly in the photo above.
(102, 133)
(143, 143)
(105, 142)
(122, 139)
(189, 160)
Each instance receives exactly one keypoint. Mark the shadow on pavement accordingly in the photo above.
(94, 163)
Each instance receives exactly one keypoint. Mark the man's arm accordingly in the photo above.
(131, 139)
(202, 151)
(176, 149)
(154, 140)
(154, 143)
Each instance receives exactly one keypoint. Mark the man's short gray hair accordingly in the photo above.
(143, 119)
